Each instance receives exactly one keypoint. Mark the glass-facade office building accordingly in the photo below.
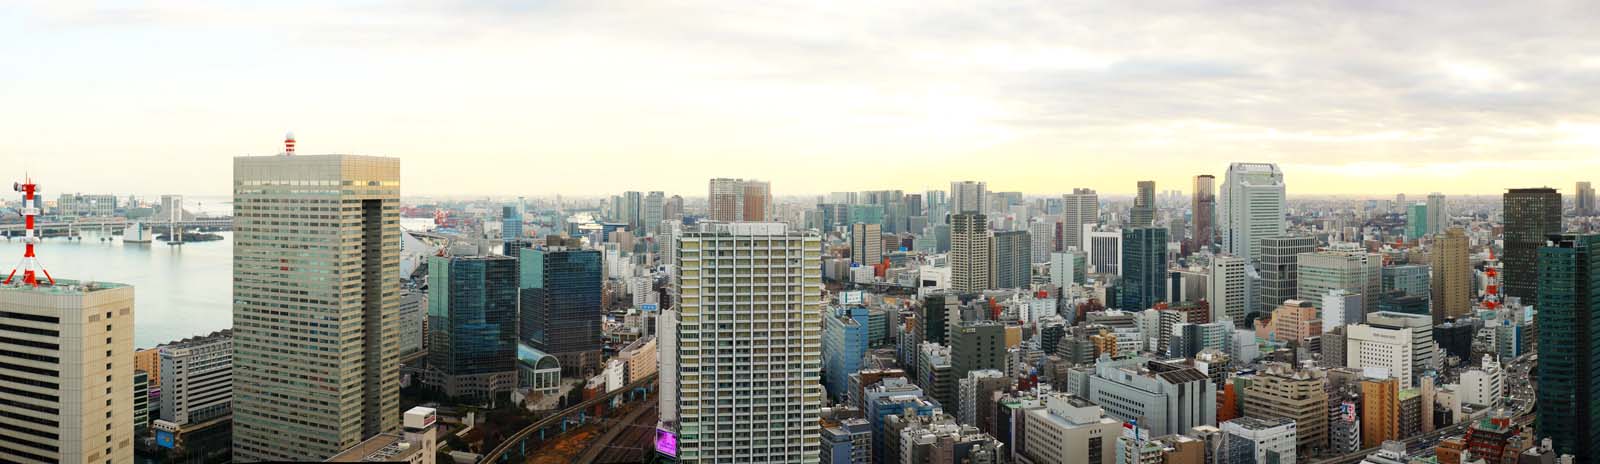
(561, 313)
(472, 313)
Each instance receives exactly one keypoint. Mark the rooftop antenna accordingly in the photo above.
(288, 144)
(29, 209)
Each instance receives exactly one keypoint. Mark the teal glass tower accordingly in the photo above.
(1416, 221)
(1569, 344)
(472, 322)
(1144, 268)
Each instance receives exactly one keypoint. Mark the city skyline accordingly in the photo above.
(1467, 100)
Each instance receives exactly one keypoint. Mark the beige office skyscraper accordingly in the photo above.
(969, 253)
(1452, 275)
(316, 268)
(866, 244)
(1080, 207)
(742, 354)
(66, 373)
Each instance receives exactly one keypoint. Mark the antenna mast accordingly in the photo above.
(30, 263)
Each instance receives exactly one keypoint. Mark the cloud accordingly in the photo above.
(1337, 86)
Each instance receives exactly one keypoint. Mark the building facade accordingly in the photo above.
(969, 253)
(764, 272)
(67, 373)
(560, 305)
(1144, 268)
(1569, 331)
(297, 221)
(1532, 215)
(198, 386)
(1252, 208)
(472, 326)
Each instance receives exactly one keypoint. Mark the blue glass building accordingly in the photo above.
(561, 310)
(472, 331)
(845, 337)
(510, 222)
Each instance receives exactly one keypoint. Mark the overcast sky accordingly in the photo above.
(512, 97)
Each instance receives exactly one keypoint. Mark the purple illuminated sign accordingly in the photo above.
(666, 443)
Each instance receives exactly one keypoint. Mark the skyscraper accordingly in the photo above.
(66, 373)
(652, 211)
(560, 297)
(632, 211)
(866, 244)
(1452, 276)
(1144, 268)
(511, 222)
(1438, 213)
(1584, 204)
(730, 200)
(968, 197)
(1078, 208)
(1229, 290)
(316, 266)
(774, 419)
(1569, 344)
(1416, 221)
(1010, 256)
(1252, 208)
(472, 325)
(1204, 208)
(1279, 269)
(672, 210)
(1532, 215)
(1143, 213)
(969, 253)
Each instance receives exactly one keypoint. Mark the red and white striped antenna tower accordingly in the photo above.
(288, 144)
(30, 263)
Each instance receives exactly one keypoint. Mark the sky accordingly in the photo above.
(529, 97)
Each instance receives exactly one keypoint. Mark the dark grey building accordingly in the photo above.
(1278, 269)
(1012, 257)
(1531, 216)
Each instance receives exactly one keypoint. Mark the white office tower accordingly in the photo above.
(1078, 209)
(1271, 440)
(1340, 307)
(316, 238)
(1438, 213)
(748, 339)
(1230, 288)
(968, 197)
(1105, 251)
(197, 379)
(970, 253)
(1252, 208)
(66, 373)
